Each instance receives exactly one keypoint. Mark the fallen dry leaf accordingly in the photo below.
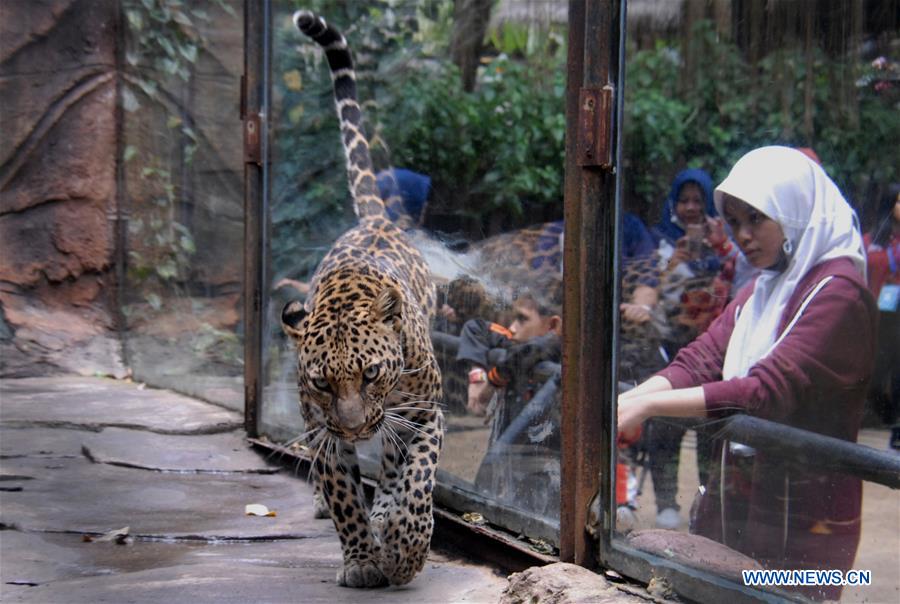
(258, 509)
(541, 546)
(474, 518)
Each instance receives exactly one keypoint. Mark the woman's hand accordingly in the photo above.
(632, 413)
(655, 397)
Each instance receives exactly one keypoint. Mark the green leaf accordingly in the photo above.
(148, 86)
(154, 301)
(187, 244)
(181, 18)
(167, 46)
(169, 66)
(129, 100)
(135, 19)
(189, 52)
(167, 269)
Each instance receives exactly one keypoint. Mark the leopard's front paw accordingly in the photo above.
(361, 574)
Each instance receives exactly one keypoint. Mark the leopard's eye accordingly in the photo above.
(371, 372)
(321, 384)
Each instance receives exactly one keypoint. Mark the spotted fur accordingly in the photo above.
(366, 367)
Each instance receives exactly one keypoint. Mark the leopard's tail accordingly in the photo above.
(366, 198)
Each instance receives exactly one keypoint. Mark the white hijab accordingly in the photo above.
(794, 191)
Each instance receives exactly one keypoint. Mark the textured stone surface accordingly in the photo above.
(211, 453)
(693, 550)
(182, 498)
(57, 187)
(84, 403)
(562, 583)
(60, 189)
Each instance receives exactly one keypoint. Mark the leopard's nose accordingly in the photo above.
(351, 412)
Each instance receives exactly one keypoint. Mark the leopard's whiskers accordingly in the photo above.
(389, 434)
(402, 446)
(325, 437)
(303, 436)
(409, 421)
(331, 452)
(283, 447)
(405, 371)
(406, 423)
(416, 405)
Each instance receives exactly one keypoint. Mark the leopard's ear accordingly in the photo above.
(388, 308)
(292, 316)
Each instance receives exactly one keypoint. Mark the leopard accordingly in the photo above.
(366, 368)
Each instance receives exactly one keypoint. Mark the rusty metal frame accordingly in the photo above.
(589, 258)
(254, 96)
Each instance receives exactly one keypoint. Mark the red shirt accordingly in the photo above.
(817, 374)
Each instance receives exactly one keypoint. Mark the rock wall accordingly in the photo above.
(57, 187)
(85, 145)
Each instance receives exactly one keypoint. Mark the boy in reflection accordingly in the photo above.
(532, 337)
(514, 383)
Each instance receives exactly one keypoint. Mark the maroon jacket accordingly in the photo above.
(815, 379)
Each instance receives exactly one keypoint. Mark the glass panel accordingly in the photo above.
(182, 183)
(475, 139)
(706, 83)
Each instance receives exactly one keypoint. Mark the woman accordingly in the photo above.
(692, 263)
(796, 346)
(693, 268)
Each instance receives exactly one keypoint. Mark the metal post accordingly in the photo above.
(252, 95)
(589, 325)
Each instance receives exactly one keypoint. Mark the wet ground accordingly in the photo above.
(82, 460)
(86, 458)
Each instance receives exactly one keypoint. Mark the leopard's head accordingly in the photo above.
(350, 356)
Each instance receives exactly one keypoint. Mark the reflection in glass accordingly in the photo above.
(469, 151)
(182, 183)
(695, 101)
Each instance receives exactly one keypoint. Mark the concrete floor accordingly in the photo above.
(83, 457)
